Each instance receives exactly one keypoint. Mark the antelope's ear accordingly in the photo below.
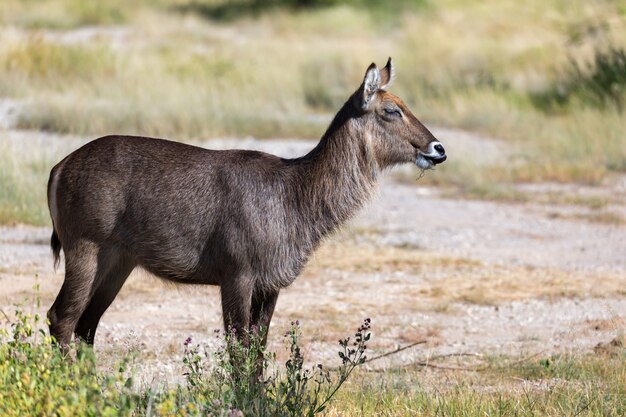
(387, 74)
(371, 84)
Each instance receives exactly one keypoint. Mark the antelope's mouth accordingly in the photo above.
(434, 160)
(436, 155)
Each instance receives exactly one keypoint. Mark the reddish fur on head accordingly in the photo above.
(397, 135)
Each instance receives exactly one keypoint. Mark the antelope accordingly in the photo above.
(243, 220)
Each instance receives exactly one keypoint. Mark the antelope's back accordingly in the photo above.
(170, 204)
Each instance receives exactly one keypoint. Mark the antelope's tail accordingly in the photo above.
(55, 244)
(53, 185)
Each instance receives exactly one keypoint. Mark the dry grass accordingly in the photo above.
(165, 69)
(22, 184)
(501, 285)
(604, 217)
(431, 281)
(178, 76)
(64, 14)
(369, 259)
(560, 198)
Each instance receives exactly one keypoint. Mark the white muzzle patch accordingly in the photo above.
(422, 162)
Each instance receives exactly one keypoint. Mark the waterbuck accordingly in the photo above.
(244, 220)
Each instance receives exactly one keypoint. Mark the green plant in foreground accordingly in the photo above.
(234, 385)
(37, 379)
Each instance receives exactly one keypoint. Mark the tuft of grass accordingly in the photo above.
(600, 83)
(39, 64)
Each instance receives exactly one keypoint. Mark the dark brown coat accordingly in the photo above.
(244, 220)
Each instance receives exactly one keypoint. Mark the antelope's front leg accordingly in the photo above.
(263, 304)
(236, 304)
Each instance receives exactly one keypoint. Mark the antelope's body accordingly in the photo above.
(244, 220)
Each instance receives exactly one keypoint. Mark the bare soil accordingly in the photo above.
(464, 276)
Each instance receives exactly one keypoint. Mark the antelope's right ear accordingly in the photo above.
(371, 84)
(387, 74)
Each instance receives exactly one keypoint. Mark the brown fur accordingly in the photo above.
(244, 220)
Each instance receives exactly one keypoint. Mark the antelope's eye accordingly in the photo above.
(393, 112)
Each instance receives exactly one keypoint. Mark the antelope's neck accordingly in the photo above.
(337, 177)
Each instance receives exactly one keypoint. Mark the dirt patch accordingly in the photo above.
(612, 348)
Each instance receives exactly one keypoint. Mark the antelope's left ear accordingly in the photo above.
(387, 74)
(371, 84)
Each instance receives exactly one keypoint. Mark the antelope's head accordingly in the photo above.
(395, 134)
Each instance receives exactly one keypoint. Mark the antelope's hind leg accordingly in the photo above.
(108, 286)
(81, 268)
(86, 266)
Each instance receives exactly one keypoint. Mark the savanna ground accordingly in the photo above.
(505, 266)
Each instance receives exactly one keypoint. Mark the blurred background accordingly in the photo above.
(505, 265)
(546, 79)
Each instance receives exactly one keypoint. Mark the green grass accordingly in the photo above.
(23, 180)
(65, 14)
(562, 385)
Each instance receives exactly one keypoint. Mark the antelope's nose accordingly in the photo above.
(436, 153)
